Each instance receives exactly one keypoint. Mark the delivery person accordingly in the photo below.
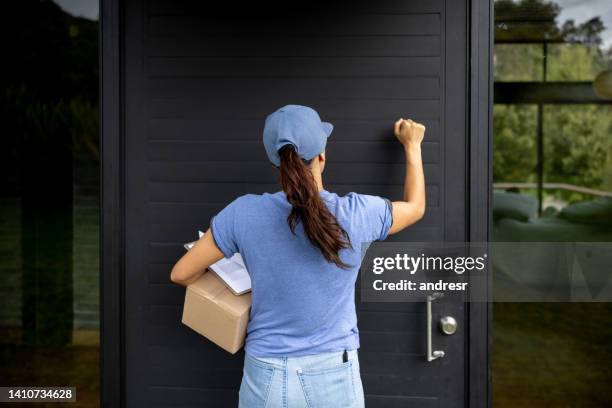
(302, 247)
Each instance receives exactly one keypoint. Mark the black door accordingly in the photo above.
(197, 82)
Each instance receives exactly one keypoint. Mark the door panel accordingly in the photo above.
(198, 83)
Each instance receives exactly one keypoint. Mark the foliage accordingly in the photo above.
(576, 143)
(574, 62)
(577, 138)
(514, 149)
(48, 51)
(49, 93)
(518, 62)
(526, 19)
(536, 21)
(29, 120)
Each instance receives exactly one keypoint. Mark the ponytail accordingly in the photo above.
(320, 226)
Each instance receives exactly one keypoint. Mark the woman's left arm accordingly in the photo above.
(194, 263)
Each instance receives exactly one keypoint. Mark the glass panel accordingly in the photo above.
(514, 143)
(548, 354)
(577, 143)
(563, 40)
(518, 62)
(49, 213)
(574, 62)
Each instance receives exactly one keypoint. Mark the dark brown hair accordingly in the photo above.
(320, 226)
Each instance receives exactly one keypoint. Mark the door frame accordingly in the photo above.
(112, 203)
(480, 173)
(112, 206)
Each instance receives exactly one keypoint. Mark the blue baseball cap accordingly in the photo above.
(298, 125)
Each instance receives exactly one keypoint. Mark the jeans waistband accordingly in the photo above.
(305, 361)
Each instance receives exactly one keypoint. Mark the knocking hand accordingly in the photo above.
(409, 132)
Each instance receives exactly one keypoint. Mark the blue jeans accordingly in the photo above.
(316, 381)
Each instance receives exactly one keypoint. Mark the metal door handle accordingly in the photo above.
(432, 354)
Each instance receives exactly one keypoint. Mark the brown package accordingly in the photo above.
(216, 313)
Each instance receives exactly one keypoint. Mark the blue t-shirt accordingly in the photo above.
(302, 304)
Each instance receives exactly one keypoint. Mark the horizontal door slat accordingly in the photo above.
(305, 67)
(356, 174)
(197, 214)
(278, 88)
(222, 193)
(198, 7)
(177, 234)
(258, 107)
(297, 46)
(251, 129)
(394, 401)
(411, 343)
(206, 376)
(194, 357)
(167, 252)
(337, 151)
(319, 24)
(184, 397)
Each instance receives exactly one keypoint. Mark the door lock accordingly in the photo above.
(448, 325)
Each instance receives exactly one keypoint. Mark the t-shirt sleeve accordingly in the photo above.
(375, 216)
(224, 231)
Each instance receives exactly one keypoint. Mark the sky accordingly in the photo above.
(80, 8)
(583, 10)
(578, 10)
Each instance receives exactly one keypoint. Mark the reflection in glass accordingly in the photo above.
(518, 62)
(552, 164)
(514, 148)
(574, 62)
(49, 291)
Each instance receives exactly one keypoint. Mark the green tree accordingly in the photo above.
(514, 143)
(576, 143)
(576, 137)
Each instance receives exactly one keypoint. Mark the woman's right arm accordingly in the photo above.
(412, 208)
(194, 263)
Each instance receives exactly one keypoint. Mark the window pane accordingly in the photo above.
(577, 142)
(49, 213)
(514, 143)
(574, 62)
(573, 41)
(518, 62)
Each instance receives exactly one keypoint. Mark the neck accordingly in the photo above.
(318, 179)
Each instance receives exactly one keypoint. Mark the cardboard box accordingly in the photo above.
(212, 310)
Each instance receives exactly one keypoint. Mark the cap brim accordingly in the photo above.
(327, 127)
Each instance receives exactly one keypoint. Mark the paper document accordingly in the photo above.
(231, 271)
(190, 245)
